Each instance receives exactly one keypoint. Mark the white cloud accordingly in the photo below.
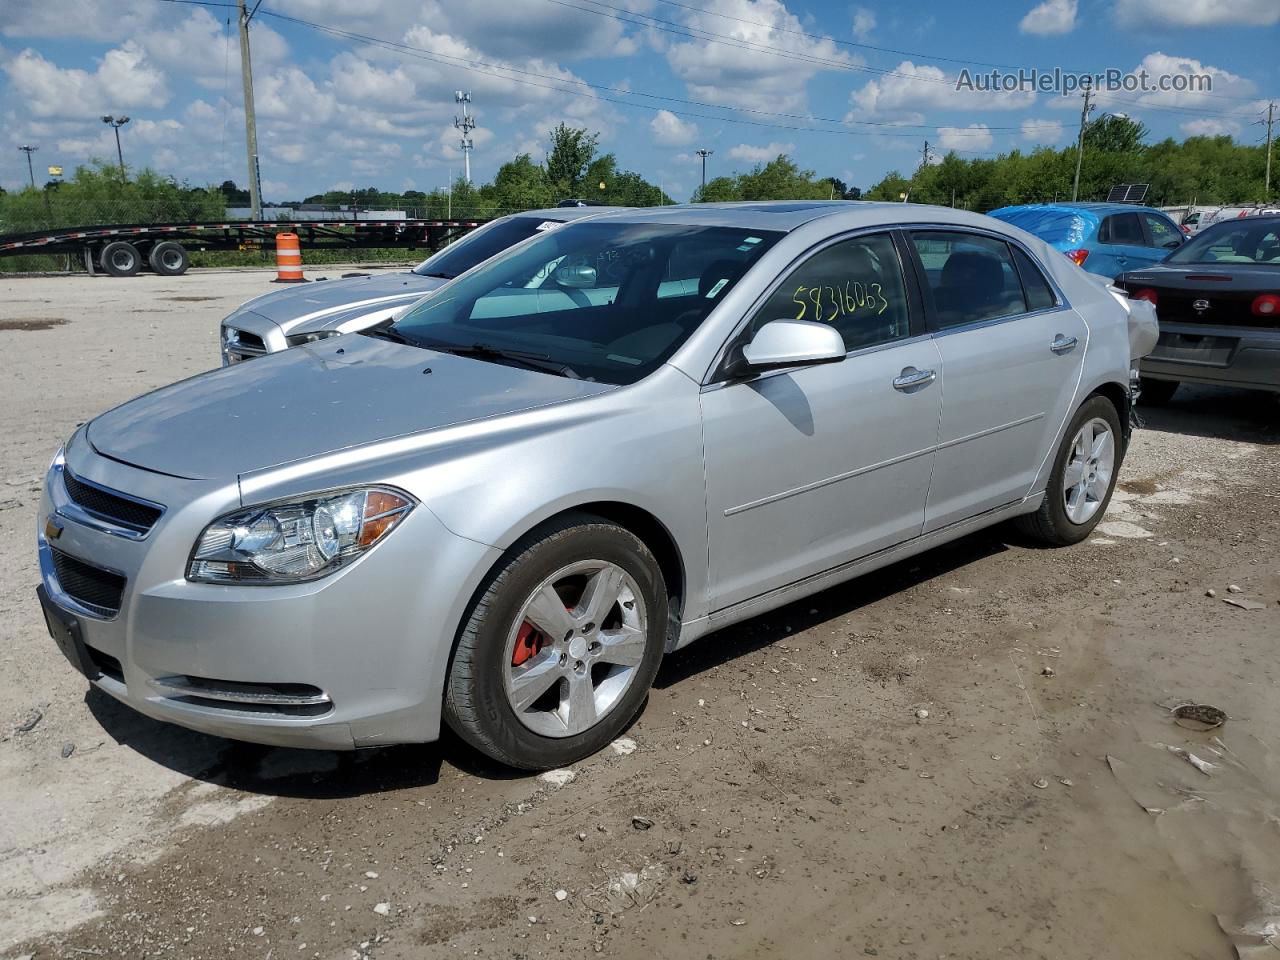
(81, 19)
(1224, 82)
(202, 47)
(1050, 18)
(123, 79)
(669, 130)
(744, 74)
(751, 154)
(1210, 127)
(911, 89)
(1197, 13)
(1041, 131)
(976, 136)
(864, 21)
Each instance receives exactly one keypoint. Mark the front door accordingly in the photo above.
(1013, 355)
(810, 467)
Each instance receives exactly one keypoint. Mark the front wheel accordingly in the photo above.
(1083, 477)
(558, 653)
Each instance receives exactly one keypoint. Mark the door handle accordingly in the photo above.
(1063, 344)
(911, 378)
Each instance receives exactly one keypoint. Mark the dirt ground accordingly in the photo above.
(967, 755)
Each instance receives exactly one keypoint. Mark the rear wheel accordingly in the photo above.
(168, 258)
(1083, 477)
(120, 259)
(1154, 393)
(558, 653)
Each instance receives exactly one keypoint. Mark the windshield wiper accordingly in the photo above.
(533, 361)
(439, 276)
(386, 331)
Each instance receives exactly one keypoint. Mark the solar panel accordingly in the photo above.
(1128, 193)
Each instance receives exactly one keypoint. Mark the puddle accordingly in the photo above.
(32, 323)
(1213, 800)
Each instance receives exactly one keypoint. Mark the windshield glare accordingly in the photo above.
(480, 245)
(610, 301)
(1239, 242)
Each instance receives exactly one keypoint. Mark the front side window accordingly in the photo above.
(1163, 233)
(599, 300)
(1122, 228)
(855, 286)
(972, 277)
(480, 245)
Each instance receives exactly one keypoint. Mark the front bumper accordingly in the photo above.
(1214, 354)
(354, 659)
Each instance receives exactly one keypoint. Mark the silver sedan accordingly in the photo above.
(502, 510)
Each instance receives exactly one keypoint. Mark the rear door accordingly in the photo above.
(1122, 245)
(810, 467)
(1012, 350)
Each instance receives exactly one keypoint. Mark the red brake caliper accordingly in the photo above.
(528, 643)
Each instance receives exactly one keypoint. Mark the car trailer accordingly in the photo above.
(122, 251)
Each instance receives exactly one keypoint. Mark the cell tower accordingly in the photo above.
(465, 124)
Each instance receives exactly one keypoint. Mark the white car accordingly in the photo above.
(313, 311)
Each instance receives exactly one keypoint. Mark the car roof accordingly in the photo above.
(1097, 209)
(780, 215)
(568, 213)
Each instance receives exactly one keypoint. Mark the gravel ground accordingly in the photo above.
(965, 755)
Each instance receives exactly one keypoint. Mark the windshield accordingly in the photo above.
(480, 245)
(1241, 241)
(608, 301)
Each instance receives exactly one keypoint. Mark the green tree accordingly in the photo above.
(572, 150)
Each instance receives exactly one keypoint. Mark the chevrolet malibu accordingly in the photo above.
(503, 509)
(315, 311)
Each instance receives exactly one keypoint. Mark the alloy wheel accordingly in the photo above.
(1087, 476)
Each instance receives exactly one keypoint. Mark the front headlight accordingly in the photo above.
(296, 540)
(300, 338)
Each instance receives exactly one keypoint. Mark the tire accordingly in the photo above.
(1053, 523)
(168, 258)
(120, 259)
(1156, 393)
(492, 698)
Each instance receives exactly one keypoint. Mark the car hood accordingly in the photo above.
(308, 302)
(313, 400)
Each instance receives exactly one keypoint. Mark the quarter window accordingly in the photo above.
(1040, 295)
(855, 286)
(972, 277)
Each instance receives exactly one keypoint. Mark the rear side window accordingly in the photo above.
(1122, 228)
(1040, 295)
(972, 277)
(855, 286)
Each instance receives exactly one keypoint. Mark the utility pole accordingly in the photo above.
(465, 124)
(116, 123)
(1084, 120)
(1271, 110)
(29, 150)
(250, 118)
(704, 153)
(924, 156)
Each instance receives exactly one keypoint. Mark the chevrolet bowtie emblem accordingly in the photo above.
(52, 528)
(1200, 305)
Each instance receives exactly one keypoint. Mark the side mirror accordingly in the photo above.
(579, 276)
(789, 343)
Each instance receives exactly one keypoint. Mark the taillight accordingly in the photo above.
(1266, 305)
(1078, 257)
(1147, 294)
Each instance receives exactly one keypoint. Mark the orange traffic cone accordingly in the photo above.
(288, 259)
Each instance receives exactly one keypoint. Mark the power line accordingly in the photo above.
(884, 127)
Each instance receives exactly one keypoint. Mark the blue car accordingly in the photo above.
(1105, 238)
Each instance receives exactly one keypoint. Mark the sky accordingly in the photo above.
(356, 94)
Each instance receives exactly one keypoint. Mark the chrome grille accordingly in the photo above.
(240, 345)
